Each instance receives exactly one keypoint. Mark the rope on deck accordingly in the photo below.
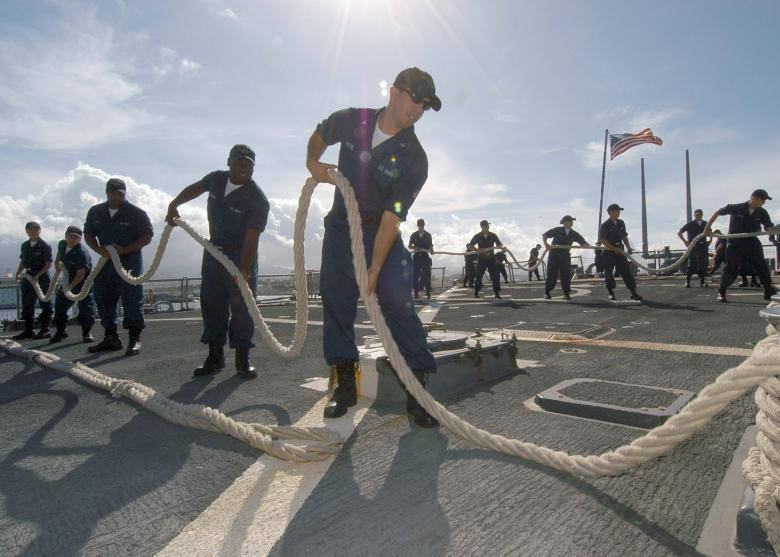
(761, 368)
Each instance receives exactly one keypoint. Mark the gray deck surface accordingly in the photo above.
(82, 473)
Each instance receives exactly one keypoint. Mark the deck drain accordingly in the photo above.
(573, 350)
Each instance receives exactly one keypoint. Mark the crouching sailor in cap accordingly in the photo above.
(745, 217)
(127, 227)
(75, 260)
(421, 243)
(559, 260)
(35, 260)
(698, 259)
(386, 165)
(237, 212)
(613, 236)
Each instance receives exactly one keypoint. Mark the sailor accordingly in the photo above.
(745, 217)
(501, 264)
(127, 227)
(613, 236)
(720, 253)
(237, 212)
(559, 260)
(533, 259)
(35, 260)
(74, 259)
(470, 268)
(386, 165)
(697, 260)
(421, 243)
(486, 242)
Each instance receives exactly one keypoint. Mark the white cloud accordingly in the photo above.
(228, 13)
(66, 91)
(67, 201)
(188, 66)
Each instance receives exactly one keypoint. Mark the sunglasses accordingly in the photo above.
(417, 99)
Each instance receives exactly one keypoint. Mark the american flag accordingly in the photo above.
(623, 142)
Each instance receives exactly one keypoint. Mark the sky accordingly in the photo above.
(158, 91)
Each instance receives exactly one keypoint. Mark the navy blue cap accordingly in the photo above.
(760, 193)
(614, 206)
(115, 184)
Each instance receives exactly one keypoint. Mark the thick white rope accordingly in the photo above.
(760, 367)
(321, 442)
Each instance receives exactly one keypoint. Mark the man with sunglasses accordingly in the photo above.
(386, 165)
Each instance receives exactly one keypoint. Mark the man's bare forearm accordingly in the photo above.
(315, 148)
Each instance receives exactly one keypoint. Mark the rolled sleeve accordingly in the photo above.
(336, 127)
(144, 225)
(211, 180)
(47, 253)
(729, 209)
(89, 223)
(549, 233)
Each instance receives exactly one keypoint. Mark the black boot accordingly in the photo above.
(44, 332)
(612, 297)
(133, 342)
(421, 417)
(345, 393)
(547, 295)
(243, 367)
(567, 297)
(769, 292)
(214, 363)
(26, 333)
(722, 295)
(635, 296)
(59, 335)
(86, 335)
(688, 282)
(109, 343)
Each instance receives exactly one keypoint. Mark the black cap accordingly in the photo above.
(73, 230)
(760, 193)
(483, 222)
(614, 206)
(115, 184)
(567, 217)
(242, 151)
(420, 83)
(32, 224)
(420, 222)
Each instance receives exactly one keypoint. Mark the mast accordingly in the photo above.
(603, 170)
(644, 213)
(688, 187)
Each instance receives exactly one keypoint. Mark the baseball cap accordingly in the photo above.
(614, 206)
(32, 224)
(483, 222)
(760, 193)
(242, 151)
(420, 83)
(567, 217)
(420, 222)
(73, 230)
(115, 184)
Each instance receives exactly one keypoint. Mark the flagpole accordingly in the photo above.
(644, 213)
(688, 187)
(603, 171)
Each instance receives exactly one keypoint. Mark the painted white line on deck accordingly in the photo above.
(250, 516)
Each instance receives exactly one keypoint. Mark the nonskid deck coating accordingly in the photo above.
(84, 474)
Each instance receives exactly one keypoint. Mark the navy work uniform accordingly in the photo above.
(422, 261)
(125, 226)
(697, 260)
(720, 252)
(386, 173)
(615, 232)
(225, 314)
(72, 260)
(746, 250)
(470, 268)
(34, 257)
(387, 177)
(487, 261)
(559, 260)
(501, 264)
(533, 258)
